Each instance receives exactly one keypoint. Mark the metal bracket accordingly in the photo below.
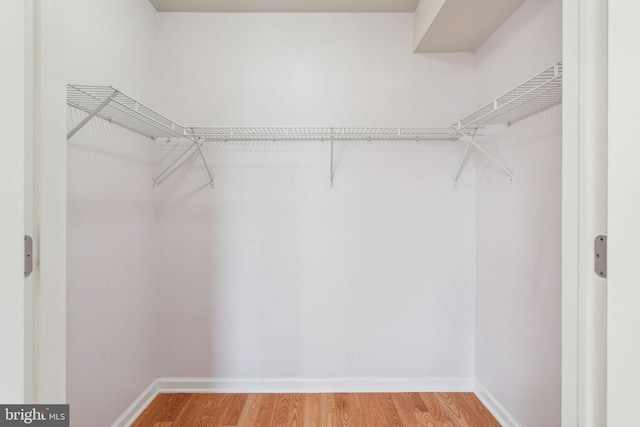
(472, 142)
(163, 175)
(171, 169)
(331, 164)
(204, 160)
(467, 152)
(91, 115)
(28, 255)
(600, 256)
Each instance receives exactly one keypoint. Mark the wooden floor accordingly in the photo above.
(330, 409)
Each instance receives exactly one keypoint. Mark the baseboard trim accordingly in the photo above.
(312, 385)
(503, 416)
(293, 385)
(135, 409)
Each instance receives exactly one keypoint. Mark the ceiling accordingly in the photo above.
(326, 6)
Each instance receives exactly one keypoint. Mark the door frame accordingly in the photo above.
(584, 212)
(12, 170)
(47, 383)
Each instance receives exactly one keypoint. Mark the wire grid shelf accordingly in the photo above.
(535, 95)
(131, 114)
(540, 92)
(320, 133)
(123, 110)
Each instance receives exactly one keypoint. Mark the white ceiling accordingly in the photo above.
(327, 6)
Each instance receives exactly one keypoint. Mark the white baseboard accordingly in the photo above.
(135, 409)
(289, 385)
(503, 416)
(312, 385)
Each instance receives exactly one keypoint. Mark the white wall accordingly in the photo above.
(518, 226)
(113, 43)
(272, 274)
(306, 70)
(111, 296)
(529, 41)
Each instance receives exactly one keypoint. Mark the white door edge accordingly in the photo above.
(583, 212)
(50, 203)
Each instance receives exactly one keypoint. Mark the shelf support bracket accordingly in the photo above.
(163, 175)
(204, 160)
(467, 152)
(91, 115)
(331, 165)
(169, 170)
(487, 155)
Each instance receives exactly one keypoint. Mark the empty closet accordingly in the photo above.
(298, 202)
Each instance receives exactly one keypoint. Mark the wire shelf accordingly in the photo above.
(540, 92)
(535, 95)
(131, 114)
(122, 110)
(320, 133)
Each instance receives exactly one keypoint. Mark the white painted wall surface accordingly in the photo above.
(113, 43)
(272, 274)
(524, 45)
(518, 226)
(518, 270)
(112, 294)
(306, 70)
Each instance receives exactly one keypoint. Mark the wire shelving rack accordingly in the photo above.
(320, 133)
(540, 92)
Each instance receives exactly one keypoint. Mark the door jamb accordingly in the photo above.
(583, 212)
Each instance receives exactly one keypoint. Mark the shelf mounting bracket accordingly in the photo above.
(467, 152)
(331, 164)
(473, 143)
(169, 170)
(163, 175)
(204, 160)
(91, 115)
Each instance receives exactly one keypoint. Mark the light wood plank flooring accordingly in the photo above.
(327, 409)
